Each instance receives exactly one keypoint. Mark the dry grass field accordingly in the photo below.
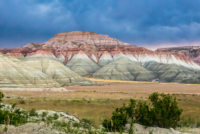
(97, 102)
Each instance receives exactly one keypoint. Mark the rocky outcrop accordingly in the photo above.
(192, 52)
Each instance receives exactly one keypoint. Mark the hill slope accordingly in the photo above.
(36, 72)
(82, 64)
(173, 73)
(124, 69)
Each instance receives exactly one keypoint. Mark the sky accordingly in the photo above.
(144, 23)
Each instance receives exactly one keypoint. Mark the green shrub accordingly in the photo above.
(59, 125)
(14, 105)
(50, 118)
(162, 111)
(77, 101)
(197, 124)
(131, 130)
(77, 125)
(86, 123)
(118, 120)
(130, 109)
(1, 97)
(44, 114)
(55, 116)
(33, 112)
(107, 125)
(5, 129)
(22, 102)
(14, 116)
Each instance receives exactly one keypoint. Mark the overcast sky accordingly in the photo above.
(148, 23)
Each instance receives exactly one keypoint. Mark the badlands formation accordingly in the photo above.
(68, 55)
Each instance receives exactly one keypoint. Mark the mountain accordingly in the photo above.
(192, 52)
(100, 56)
(36, 72)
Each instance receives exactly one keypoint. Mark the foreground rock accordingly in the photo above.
(139, 129)
(42, 128)
(33, 128)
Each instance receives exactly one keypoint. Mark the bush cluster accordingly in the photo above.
(13, 116)
(162, 111)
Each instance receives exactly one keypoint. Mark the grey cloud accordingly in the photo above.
(136, 22)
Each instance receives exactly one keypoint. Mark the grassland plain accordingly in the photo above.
(97, 102)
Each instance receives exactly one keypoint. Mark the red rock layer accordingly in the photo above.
(41, 52)
(69, 53)
(15, 54)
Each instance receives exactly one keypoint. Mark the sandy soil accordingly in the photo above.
(106, 89)
(139, 87)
